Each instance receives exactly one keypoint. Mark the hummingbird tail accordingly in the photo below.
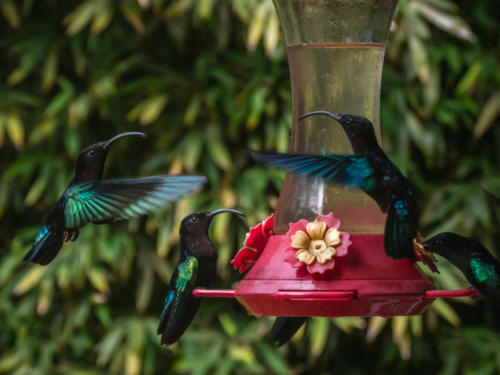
(284, 328)
(47, 244)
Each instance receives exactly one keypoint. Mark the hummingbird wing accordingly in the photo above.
(47, 244)
(180, 304)
(123, 198)
(401, 228)
(350, 170)
(487, 278)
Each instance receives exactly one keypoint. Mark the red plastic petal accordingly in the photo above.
(256, 238)
(244, 259)
(267, 225)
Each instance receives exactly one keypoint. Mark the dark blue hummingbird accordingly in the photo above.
(369, 169)
(284, 328)
(89, 199)
(196, 269)
(480, 268)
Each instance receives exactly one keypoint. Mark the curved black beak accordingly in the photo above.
(216, 212)
(336, 116)
(118, 136)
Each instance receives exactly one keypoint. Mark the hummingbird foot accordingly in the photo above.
(70, 235)
(478, 295)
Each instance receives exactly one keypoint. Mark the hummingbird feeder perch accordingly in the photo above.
(322, 252)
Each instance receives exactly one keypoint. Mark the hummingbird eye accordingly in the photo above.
(438, 242)
(92, 152)
(194, 219)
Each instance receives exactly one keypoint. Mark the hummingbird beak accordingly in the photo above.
(118, 136)
(335, 116)
(216, 212)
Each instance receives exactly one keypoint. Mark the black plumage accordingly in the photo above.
(369, 169)
(477, 264)
(89, 199)
(196, 269)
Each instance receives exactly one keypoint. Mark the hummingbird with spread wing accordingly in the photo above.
(369, 169)
(90, 199)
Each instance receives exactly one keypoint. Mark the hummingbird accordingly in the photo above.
(369, 169)
(89, 199)
(284, 328)
(196, 269)
(477, 264)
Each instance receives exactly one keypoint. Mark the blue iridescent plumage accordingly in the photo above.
(368, 169)
(46, 246)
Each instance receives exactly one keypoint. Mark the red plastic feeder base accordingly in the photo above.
(366, 282)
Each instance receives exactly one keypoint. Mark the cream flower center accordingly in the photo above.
(317, 244)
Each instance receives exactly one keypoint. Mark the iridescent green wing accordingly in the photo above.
(180, 304)
(487, 277)
(124, 198)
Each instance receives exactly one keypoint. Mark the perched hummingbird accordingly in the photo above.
(89, 199)
(480, 268)
(284, 328)
(196, 268)
(369, 169)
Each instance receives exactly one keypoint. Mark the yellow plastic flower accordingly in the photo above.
(317, 244)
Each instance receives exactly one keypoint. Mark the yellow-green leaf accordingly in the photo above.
(488, 114)
(444, 309)
(81, 16)
(152, 108)
(10, 12)
(319, 328)
(15, 130)
(375, 326)
(49, 72)
(102, 17)
(30, 279)
(99, 280)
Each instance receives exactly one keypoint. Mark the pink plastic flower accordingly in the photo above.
(315, 244)
(255, 242)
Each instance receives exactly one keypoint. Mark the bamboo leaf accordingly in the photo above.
(375, 326)
(446, 312)
(81, 16)
(10, 13)
(145, 288)
(15, 130)
(488, 114)
(319, 329)
(99, 280)
(152, 108)
(30, 280)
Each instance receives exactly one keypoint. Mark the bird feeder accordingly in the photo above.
(337, 265)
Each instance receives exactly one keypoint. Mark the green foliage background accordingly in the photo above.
(207, 79)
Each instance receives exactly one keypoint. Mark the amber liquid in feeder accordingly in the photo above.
(340, 78)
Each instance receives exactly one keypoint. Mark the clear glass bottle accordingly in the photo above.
(335, 53)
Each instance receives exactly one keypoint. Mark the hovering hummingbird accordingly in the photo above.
(89, 199)
(284, 328)
(480, 268)
(369, 169)
(196, 268)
